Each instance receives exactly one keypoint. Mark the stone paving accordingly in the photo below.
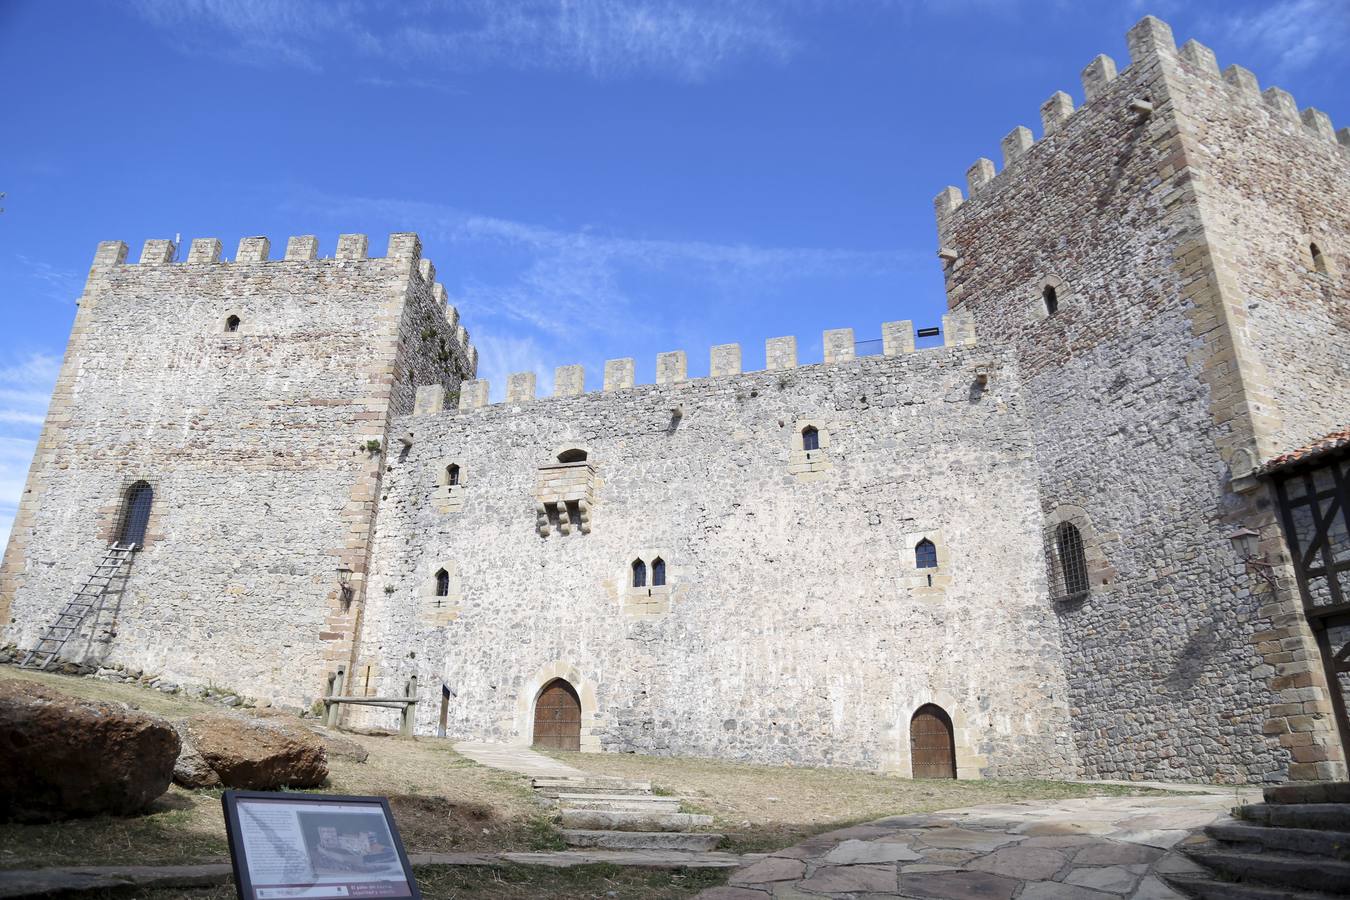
(1089, 848)
(521, 760)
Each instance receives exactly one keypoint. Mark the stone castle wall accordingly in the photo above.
(252, 440)
(795, 626)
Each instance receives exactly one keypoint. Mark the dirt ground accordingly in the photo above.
(445, 802)
(767, 807)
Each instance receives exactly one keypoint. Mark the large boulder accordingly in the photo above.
(62, 757)
(258, 754)
(191, 769)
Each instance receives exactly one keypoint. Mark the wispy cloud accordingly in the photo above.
(1297, 34)
(57, 284)
(602, 38)
(500, 356)
(25, 387)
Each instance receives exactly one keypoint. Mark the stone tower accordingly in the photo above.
(254, 397)
(1166, 262)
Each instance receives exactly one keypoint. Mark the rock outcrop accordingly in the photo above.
(65, 757)
(260, 754)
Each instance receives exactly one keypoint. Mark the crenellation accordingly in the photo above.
(958, 330)
(204, 250)
(1200, 56)
(618, 374)
(1055, 111)
(671, 367)
(1097, 76)
(1319, 123)
(351, 246)
(520, 387)
(1150, 37)
(110, 253)
(157, 252)
(569, 381)
(946, 203)
(427, 271)
(1242, 79)
(1282, 102)
(897, 337)
(979, 174)
(252, 250)
(405, 245)
(302, 248)
(1015, 143)
(473, 394)
(724, 359)
(839, 345)
(780, 353)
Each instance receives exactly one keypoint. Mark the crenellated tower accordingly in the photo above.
(1167, 263)
(252, 398)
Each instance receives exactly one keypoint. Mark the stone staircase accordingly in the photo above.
(1296, 845)
(615, 814)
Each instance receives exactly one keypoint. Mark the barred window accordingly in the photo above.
(442, 583)
(136, 513)
(1073, 573)
(639, 573)
(658, 572)
(810, 438)
(925, 555)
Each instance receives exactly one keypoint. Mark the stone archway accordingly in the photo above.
(932, 743)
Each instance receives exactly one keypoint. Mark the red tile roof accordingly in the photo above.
(1337, 440)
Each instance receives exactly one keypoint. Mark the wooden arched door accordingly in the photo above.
(932, 747)
(557, 717)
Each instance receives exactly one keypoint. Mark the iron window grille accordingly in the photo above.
(136, 513)
(1070, 575)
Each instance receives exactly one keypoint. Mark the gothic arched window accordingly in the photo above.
(925, 554)
(639, 573)
(442, 583)
(810, 438)
(658, 572)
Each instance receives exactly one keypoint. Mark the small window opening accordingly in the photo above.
(1319, 261)
(658, 572)
(452, 474)
(554, 517)
(232, 323)
(572, 456)
(639, 573)
(810, 438)
(1051, 298)
(442, 584)
(925, 556)
(1072, 560)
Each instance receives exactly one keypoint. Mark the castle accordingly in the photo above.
(1101, 532)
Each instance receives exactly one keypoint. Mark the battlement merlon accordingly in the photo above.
(1150, 42)
(672, 368)
(404, 247)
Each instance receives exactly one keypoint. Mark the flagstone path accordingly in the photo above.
(1094, 848)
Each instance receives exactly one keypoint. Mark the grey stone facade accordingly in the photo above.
(1137, 320)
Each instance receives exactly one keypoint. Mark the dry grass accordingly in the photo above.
(512, 882)
(768, 807)
(442, 801)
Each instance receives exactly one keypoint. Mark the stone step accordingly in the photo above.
(642, 840)
(620, 803)
(1203, 887)
(1331, 844)
(1308, 873)
(551, 787)
(1316, 792)
(1317, 816)
(596, 820)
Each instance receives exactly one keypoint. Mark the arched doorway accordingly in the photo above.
(136, 514)
(932, 748)
(557, 717)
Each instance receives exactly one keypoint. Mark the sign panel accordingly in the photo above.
(315, 846)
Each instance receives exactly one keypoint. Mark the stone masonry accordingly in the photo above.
(1145, 304)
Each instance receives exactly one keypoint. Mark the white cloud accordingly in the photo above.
(500, 357)
(602, 38)
(58, 284)
(25, 388)
(1296, 33)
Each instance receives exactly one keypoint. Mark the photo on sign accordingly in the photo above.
(349, 843)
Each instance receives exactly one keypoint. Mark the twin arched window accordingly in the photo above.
(925, 555)
(810, 438)
(640, 573)
(1073, 572)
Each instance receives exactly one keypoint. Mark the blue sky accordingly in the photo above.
(592, 178)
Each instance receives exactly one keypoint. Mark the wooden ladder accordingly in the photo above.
(86, 600)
